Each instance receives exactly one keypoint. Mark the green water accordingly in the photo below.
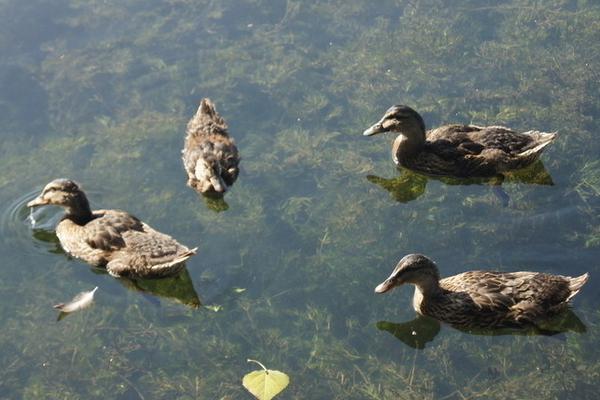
(100, 92)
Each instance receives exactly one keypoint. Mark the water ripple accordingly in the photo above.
(30, 229)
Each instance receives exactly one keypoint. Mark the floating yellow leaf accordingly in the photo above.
(266, 383)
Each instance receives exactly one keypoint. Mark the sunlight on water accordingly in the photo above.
(287, 261)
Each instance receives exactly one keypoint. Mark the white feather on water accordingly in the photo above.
(79, 302)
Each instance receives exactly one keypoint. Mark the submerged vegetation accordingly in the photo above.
(100, 92)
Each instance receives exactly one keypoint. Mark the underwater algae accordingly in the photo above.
(306, 233)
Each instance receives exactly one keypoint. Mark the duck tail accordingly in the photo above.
(542, 139)
(206, 120)
(170, 268)
(207, 110)
(186, 255)
(575, 284)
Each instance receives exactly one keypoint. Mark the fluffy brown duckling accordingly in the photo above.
(113, 239)
(458, 150)
(210, 156)
(483, 299)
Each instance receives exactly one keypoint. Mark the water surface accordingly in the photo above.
(100, 92)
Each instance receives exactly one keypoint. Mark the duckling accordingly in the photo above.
(115, 239)
(483, 299)
(461, 151)
(210, 156)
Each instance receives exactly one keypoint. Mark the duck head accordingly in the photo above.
(208, 172)
(413, 268)
(64, 193)
(399, 118)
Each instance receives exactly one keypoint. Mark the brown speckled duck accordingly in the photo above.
(483, 299)
(209, 156)
(115, 239)
(458, 150)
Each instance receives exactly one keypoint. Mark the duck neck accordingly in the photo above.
(429, 287)
(409, 142)
(425, 290)
(79, 210)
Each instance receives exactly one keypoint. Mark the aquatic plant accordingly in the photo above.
(101, 92)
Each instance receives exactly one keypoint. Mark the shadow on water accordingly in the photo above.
(410, 185)
(49, 237)
(62, 315)
(422, 330)
(215, 201)
(179, 288)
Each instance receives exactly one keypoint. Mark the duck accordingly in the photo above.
(210, 156)
(114, 239)
(483, 299)
(455, 150)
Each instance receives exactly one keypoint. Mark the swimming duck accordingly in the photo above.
(458, 150)
(115, 239)
(483, 299)
(210, 156)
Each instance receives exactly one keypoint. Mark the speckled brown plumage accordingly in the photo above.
(113, 239)
(483, 299)
(210, 156)
(458, 150)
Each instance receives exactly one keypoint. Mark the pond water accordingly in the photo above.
(100, 92)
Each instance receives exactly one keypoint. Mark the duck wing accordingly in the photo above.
(118, 232)
(499, 137)
(155, 247)
(106, 231)
(487, 290)
(522, 296)
(133, 248)
(484, 151)
(453, 140)
(545, 290)
(148, 254)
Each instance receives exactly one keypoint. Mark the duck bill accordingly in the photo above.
(38, 201)
(375, 129)
(385, 286)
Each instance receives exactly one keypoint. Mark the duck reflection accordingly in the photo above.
(215, 201)
(49, 238)
(416, 333)
(422, 330)
(179, 288)
(410, 185)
